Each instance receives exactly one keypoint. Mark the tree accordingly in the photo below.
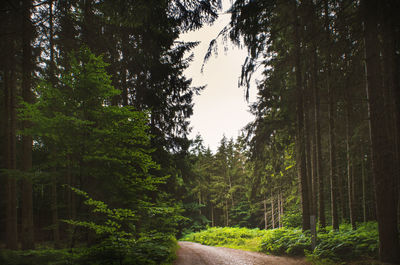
(382, 155)
(27, 227)
(9, 81)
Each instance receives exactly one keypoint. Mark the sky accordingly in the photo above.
(221, 108)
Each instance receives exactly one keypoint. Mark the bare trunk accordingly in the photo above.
(381, 140)
(318, 151)
(212, 216)
(300, 152)
(364, 201)
(279, 210)
(54, 205)
(10, 157)
(272, 211)
(307, 140)
(227, 213)
(265, 215)
(54, 211)
(199, 203)
(125, 93)
(314, 174)
(27, 233)
(350, 176)
(332, 143)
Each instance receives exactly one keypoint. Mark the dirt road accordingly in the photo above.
(196, 254)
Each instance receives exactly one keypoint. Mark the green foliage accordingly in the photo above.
(348, 244)
(33, 257)
(332, 246)
(286, 241)
(109, 146)
(233, 237)
(337, 246)
(292, 219)
(119, 241)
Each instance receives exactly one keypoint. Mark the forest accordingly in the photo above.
(96, 162)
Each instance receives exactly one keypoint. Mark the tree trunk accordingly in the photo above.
(124, 74)
(332, 144)
(314, 175)
(272, 211)
(27, 233)
(199, 203)
(307, 140)
(54, 211)
(10, 155)
(318, 151)
(265, 215)
(390, 11)
(54, 205)
(300, 152)
(381, 141)
(364, 201)
(227, 212)
(279, 209)
(350, 176)
(212, 216)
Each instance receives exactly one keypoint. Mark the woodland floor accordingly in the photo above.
(196, 254)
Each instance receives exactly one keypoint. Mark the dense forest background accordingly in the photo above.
(94, 115)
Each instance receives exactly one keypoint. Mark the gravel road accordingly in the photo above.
(196, 254)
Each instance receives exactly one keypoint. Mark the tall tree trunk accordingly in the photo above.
(212, 216)
(364, 201)
(318, 151)
(314, 175)
(350, 175)
(342, 196)
(272, 211)
(265, 215)
(227, 212)
(381, 140)
(199, 197)
(10, 153)
(54, 211)
(279, 209)
(389, 14)
(27, 231)
(332, 143)
(300, 152)
(124, 70)
(52, 77)
(307, 140)
(318, 208)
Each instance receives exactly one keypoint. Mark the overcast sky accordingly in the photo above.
(221, 108)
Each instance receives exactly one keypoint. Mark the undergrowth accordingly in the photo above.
(232, 237)
(333, 247)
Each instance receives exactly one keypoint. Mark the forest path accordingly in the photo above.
(196, 254)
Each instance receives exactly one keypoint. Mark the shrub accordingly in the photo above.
(286, 241)
(233, 237)
(332, 246)
(348, 244)
(33, 257)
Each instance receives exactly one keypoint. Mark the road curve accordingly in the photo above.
(196, 254)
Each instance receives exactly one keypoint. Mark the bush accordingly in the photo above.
(336, 246)
(292, 219)
(348, 244)
(233, 237)
(332, 246)
(34, 257)
(286, 241)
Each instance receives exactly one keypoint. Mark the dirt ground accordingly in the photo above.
(197, 254)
